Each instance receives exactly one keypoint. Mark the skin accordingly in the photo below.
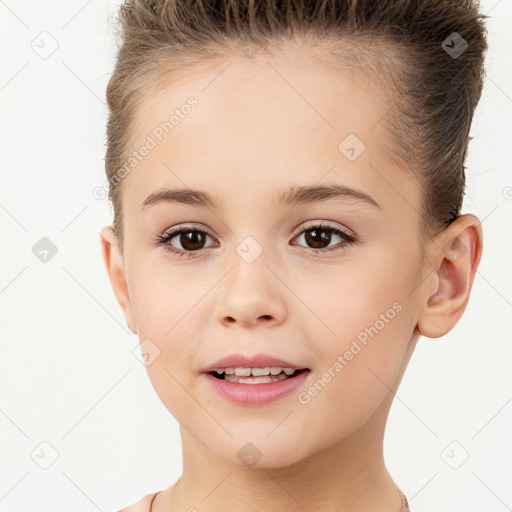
(251, 135)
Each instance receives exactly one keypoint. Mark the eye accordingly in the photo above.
(319, 236)
(191, 240)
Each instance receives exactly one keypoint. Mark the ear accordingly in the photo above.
(455, 259)
(115, 268)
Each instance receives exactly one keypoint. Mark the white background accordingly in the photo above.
(68, 374)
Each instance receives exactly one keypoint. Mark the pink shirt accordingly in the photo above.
(143, 505)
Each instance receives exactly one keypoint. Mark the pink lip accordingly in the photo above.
(256, 361)
(256, 394)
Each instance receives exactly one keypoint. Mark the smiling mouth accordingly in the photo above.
(257, 379)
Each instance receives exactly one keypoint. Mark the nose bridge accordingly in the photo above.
(252, 293)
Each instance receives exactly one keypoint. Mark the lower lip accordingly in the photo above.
(256, 394)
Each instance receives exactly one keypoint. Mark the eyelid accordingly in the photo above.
(187, 227)
(322, 224)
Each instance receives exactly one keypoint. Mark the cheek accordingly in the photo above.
(342, 302)
(363, 323)
(165, 309)
(162, 297)
(355, 372)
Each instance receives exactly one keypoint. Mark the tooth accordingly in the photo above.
(256, 372)
(260, 371)
(265, 379)
(242, 372)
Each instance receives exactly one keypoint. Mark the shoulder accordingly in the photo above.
(143, 505)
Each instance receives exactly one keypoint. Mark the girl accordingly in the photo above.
(287, 180)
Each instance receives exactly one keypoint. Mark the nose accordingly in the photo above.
(252, 295)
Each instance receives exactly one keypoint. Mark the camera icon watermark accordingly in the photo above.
(454, 455)
(146, 352)
(249, 249)
(44, 44)
(351, 147)
(44, 250)
(249, 454)
(250, 50)
(44, 455)
(454, 45)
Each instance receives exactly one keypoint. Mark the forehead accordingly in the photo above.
(261, 123)
(295, 80)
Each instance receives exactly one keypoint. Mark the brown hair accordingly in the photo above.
(409, 43)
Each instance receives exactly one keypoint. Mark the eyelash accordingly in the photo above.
(169, 235)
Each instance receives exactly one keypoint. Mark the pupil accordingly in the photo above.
(318, 237)
(191, 237)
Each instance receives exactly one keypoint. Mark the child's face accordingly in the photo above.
(260, 128)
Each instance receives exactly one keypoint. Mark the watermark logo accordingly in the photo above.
(249, 249)
(351, 147)
(249, 454)
(455, 455)
(44, 250)
(454, 45)
(250, 50)
(44, 44)
(44, 455)
(146, 352)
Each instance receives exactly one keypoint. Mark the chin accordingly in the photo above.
(260, 453)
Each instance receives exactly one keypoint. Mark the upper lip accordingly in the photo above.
(253, 361)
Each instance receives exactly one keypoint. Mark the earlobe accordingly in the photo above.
(115, 267)
(456, 257)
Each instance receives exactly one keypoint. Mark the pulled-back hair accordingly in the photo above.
(406, 43)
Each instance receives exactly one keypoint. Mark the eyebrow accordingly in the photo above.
(292, 197)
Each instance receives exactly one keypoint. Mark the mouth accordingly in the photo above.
(257, 375)
(251, 385)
